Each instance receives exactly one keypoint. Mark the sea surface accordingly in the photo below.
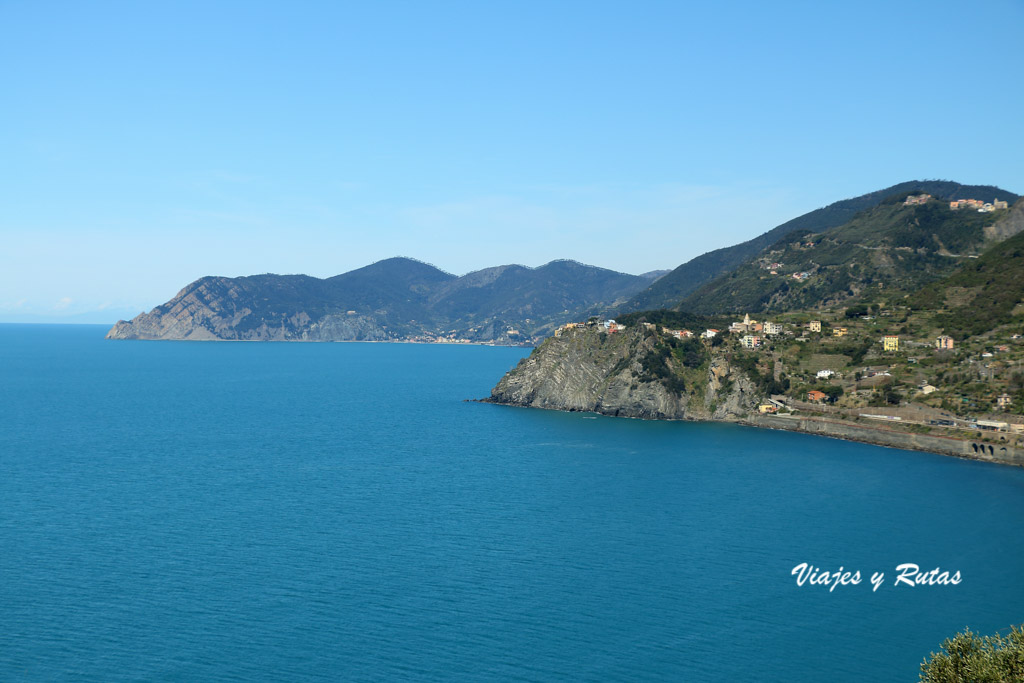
(317, 512)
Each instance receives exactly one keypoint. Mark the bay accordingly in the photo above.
(306, 512)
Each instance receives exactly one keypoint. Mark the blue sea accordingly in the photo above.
(320, 512)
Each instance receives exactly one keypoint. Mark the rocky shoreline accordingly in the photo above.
(589, 370)
(970, 449)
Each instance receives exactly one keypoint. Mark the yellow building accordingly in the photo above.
(815, 326)
(839, 331)
(891, 342)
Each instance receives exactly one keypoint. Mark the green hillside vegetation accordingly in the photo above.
(963, 383)
(517, 292)
(889, 248)
(676, 320)
(676, 363)
(685, 279)
(982, 295)
(938, 391)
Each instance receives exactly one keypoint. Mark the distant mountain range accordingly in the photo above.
(394, 299)
(847, 251)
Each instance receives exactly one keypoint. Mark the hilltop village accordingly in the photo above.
(778, 268)
(956, 204)
(864, 364)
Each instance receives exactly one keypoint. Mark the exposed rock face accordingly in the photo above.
(344, 328)
(208, 309)
(588, 369)
(1009, 225)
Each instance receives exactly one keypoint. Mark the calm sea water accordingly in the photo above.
(301, 512)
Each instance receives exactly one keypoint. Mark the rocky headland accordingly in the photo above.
(620, 374)
(640, 373)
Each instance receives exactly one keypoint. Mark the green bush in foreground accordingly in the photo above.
(977, 659)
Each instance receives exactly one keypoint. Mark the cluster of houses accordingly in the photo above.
(747, 325)
(609, 326)
(754, 332)
(767, 329)
(753, 341)
(678, 334)
(916, 199)
(957, 204)
(978, 205)
(686, 334)
(773, 268)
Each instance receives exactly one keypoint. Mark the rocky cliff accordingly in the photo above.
(631, 373)
(216, 308)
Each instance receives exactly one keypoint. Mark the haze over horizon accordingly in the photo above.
(147, 146)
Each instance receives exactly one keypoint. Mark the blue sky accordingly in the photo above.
(144, 145)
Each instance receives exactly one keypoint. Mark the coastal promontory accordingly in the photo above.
(628, 371)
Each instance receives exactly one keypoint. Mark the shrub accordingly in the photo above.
(981, 659)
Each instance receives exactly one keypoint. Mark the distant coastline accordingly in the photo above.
(397, 299)
(341, 341)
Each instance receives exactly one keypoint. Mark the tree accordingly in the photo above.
(833, 391)
(857, 310)
(979, 659)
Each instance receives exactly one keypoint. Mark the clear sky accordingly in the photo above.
(146, 144)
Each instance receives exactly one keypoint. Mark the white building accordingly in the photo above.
(825, 374)
(772, 328)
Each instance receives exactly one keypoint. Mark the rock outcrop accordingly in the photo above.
(625, 374)
(216, 309)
